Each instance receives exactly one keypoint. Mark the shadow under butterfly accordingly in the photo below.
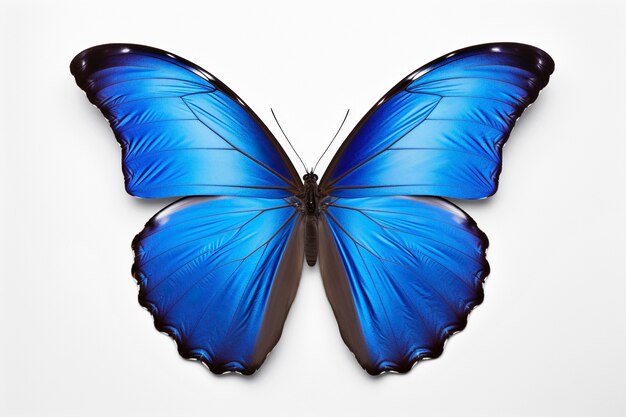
(402, 267)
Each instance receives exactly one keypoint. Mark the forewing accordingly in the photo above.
(440, 131)
(402, 274)
(182, 131)
(219, 275)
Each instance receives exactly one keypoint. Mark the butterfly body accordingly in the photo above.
(402, 267)
(311, 198)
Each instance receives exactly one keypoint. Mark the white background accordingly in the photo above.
(550, 338)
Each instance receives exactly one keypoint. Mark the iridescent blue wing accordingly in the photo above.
(182, 131)
(401, 273)
(440, 131)
(219, 275)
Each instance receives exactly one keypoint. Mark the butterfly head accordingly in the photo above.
(309, 177)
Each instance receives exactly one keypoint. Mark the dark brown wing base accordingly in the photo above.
(282, 295)
(340, 295)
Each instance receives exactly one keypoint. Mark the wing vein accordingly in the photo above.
(239, 150)
(383, 260)
(355, 167)
(417, 235)
(265, 245)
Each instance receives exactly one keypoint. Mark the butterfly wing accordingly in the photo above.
(182, 131)
(403, 273)
(219, 275)
(440, 131)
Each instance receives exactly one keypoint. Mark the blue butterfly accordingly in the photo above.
(402, 267)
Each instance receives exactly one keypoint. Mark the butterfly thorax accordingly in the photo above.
(310, 198)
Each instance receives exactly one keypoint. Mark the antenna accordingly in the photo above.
(332, 140)
(288, 141)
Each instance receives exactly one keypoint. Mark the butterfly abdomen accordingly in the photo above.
(310, 239)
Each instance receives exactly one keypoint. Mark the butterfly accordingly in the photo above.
(402, 267)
